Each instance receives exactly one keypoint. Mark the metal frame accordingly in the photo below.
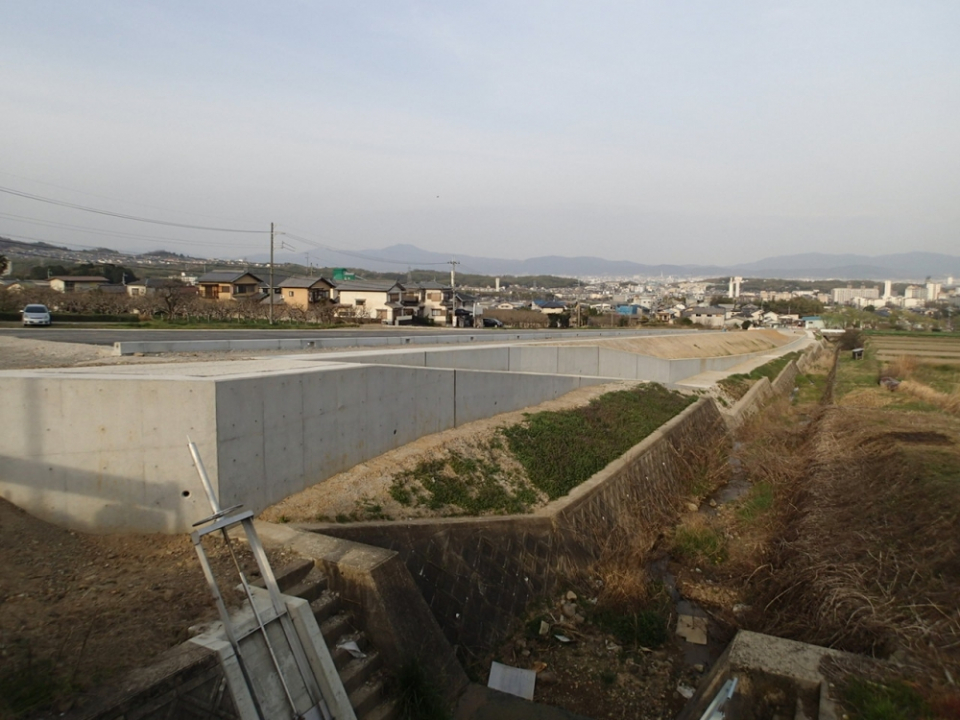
(220, 522)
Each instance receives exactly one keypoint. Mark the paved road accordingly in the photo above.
(108, 336)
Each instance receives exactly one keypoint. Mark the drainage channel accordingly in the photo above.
(700, 637)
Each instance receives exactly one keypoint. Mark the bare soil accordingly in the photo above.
(673, 347)
(81, 609)
(363, 491)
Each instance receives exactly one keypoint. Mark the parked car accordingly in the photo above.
(35, 315)
(492, 322)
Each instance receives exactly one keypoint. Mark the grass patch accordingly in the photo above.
(469, 485)
(698, 543)
(942, 377)
(560, 450)
(865, 700)
(757, 503)
(736, 385)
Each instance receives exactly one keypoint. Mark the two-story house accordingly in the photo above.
(306, 292)
(363, 299)
(228, 285)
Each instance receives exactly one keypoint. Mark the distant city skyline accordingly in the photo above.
(650, 133)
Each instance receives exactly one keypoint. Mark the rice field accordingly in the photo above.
(932, 348)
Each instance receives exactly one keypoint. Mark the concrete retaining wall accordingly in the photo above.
(585, 360)
(105, 450)
(108, 453)
(478, 574)
(329, 341)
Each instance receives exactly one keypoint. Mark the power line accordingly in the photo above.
(113, 233)
(123, 216)
(107, 197)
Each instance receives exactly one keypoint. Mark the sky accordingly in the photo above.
(668, 132)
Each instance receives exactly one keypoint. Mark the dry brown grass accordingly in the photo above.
(900, 367)
(873, 397)
(950, 402)
(625, 552)
(871, 561)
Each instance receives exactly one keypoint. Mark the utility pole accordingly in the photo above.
(270, 298)
(578, 304)
(453, 284)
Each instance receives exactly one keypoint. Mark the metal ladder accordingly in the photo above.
(292, 680)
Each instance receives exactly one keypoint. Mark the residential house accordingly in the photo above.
(403, 304)
(364, 299)
(228, 285)
(76, 283)
(812, 322)
(434, 300)
(306, 292)
(553, 307)
(706, 315)
(149, 286)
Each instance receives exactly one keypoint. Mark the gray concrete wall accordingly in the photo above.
(109, 453)
(328, 341)
(106, 453)
(585, 360)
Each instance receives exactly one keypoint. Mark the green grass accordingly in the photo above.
(942, 377)
(737, 385)
(560, 450)
(472, 486)
(856, 374)
(865, 700)
(699, 544)
(756, 504)
(812, 387)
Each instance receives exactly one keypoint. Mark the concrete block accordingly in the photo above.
(614, 363)
(534, 359)
(573, 360)
(486, 358)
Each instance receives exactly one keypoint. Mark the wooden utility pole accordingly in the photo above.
(270, 295)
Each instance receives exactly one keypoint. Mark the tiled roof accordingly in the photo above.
(225, 276)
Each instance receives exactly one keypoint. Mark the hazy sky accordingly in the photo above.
(653, 132)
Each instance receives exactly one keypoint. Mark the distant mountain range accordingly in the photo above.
(812, 266)
(399, 258)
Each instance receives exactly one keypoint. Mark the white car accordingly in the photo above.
(36, 315)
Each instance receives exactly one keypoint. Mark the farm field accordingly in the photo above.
(935, 348)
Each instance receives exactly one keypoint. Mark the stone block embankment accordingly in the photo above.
(478, 574)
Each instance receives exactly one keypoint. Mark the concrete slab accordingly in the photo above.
(512, 680)
(692, 628)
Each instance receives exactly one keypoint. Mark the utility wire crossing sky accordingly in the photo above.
(652, 132)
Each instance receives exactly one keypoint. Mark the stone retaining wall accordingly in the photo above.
(478, 574)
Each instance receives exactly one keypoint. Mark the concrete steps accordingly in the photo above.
(364, 678)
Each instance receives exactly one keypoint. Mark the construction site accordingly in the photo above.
(749, 524)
